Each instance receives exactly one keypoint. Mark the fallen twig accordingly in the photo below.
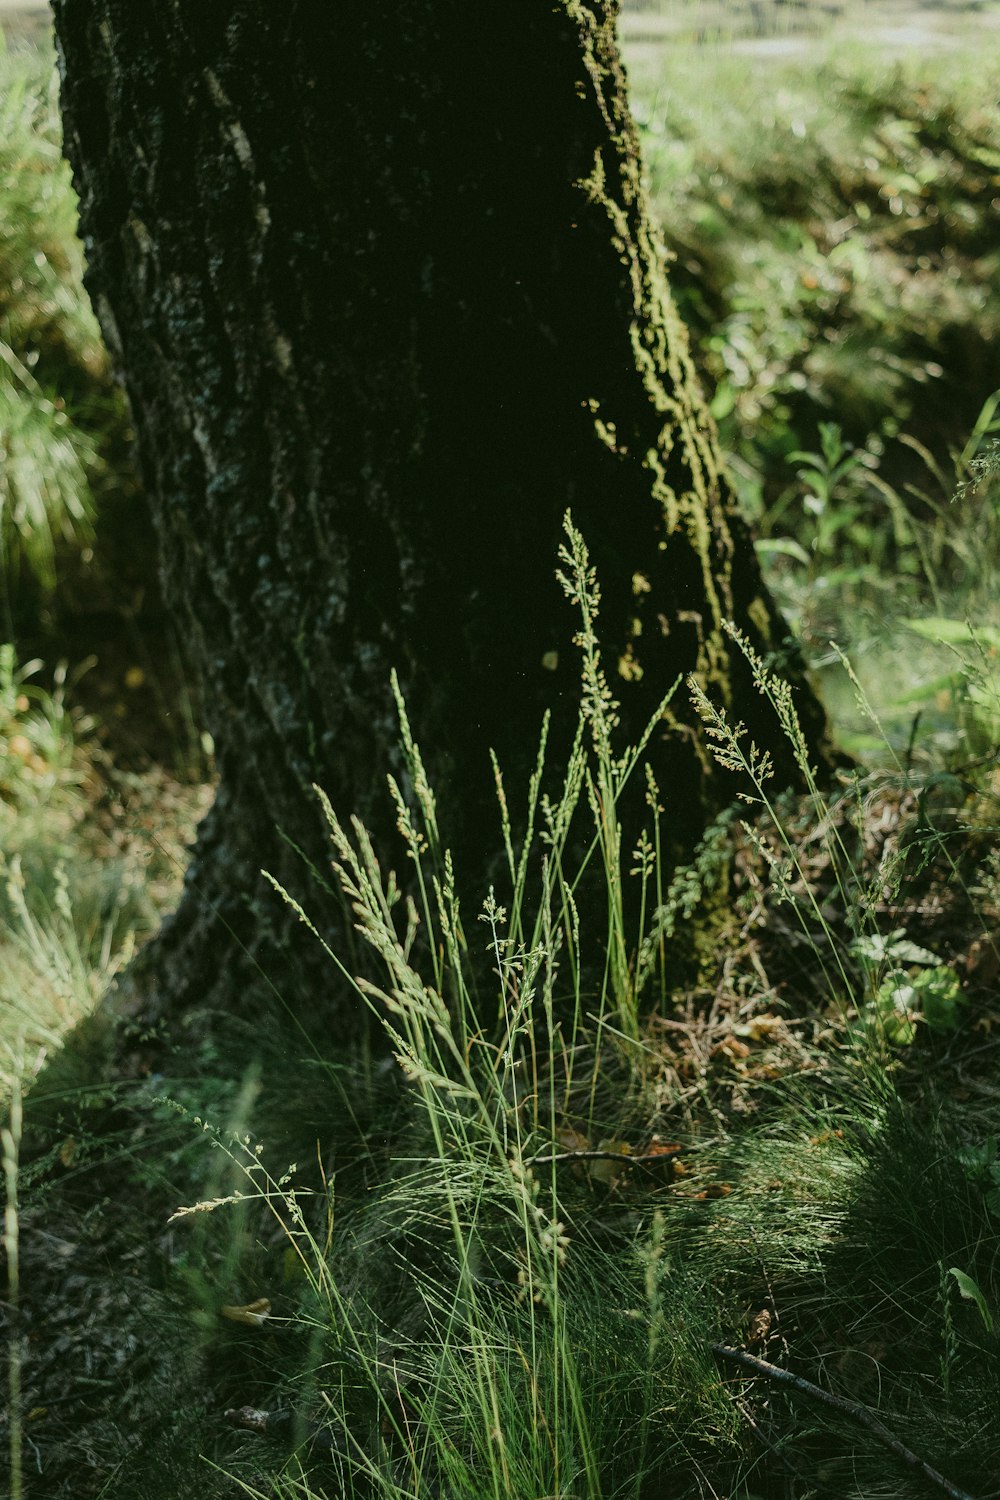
(850, 1408)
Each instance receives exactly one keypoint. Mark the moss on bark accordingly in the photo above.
(387, 297)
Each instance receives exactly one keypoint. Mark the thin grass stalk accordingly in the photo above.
(653, 798)
(10, 1143)
(728, 749)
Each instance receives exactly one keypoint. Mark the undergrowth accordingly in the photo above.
(834, 263)
(833, 253)
(572, 1206)
(53, 364)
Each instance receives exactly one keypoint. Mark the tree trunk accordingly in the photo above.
(385, 293)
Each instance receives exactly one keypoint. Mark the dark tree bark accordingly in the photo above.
(383, 287)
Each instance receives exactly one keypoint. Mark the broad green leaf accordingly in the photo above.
(979, 1161)
(723, 401)
(953, 632)
(939, 997)
(928, 690)
(970, 1290)
(895, 947)
(896, 1004)
(782, 546)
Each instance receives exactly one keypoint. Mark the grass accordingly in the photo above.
(628, 1117)
(561, 1223)
(839, 262)
(833, 265)
(10, 1141)
(53, 365)
(833, 259)
(76, 891)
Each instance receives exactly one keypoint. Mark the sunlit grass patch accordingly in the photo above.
(51, 351)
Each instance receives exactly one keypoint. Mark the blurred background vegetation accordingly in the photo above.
(102, 771)
(828, 177)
